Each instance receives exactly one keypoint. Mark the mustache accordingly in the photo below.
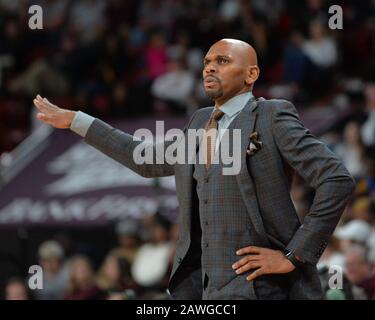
(212, 77)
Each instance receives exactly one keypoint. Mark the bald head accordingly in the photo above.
(241, 49)
(230, 69)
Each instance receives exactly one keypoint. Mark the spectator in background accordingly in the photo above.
(360, 209)
(146, 224)
(370, 211)
(295, 60)
(321, 52)
(351, 150)
(98, 46)
(151, 266)
(16, 289)
(40, 76)
(114, 276)
(320, 48)
(13, 6)
(82, 280)
(332, 256)
(54, 14)
(156, 56)
(158, 13)
(371, 259)
(182, 48)
(87, 19)
(267, 8)
(175, 86)
(358, 269)
(366, 185)
(119, 101)
(128, 238)
(181, 52)
(12, 48)
(368, 128)
(353, 232)
(55, 271)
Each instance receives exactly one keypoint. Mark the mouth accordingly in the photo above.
(210, 81)
(210, 84)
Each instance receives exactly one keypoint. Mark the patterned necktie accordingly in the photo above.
(210, 134)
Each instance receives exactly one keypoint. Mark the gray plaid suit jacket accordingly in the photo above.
(264, 184)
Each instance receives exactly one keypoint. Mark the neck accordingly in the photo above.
(220, 101)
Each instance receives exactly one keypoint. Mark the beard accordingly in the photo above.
(213, 94)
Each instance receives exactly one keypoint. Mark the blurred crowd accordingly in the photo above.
(114, 58)
(137, 268)
(126, 59)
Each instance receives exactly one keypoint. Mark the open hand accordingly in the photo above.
(52, 114)
(263, 260)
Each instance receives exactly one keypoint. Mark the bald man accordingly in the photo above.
(240, 236)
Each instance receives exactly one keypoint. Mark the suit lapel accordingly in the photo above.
(246, 121)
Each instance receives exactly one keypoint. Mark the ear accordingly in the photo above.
(252, 75)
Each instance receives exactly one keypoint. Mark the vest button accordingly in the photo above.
(206, 245)
(205, 179)
(206, 223)
(205, 201)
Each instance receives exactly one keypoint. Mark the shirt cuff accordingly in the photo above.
(81, 123)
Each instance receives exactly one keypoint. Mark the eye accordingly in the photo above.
(223, 61)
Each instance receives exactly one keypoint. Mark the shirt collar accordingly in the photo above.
(236, 104)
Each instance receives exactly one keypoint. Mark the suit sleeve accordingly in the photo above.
(120, 146)
(322, 170)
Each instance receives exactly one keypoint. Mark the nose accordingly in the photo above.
(210, 68)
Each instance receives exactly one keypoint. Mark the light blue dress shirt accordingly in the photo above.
(231, 108)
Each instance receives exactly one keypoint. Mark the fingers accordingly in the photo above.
(43, 103)
(255, 274)
(43, 115)
(39, 105)
(46, 108)
(249, 262)
(245, 260)
(249, 266)
(49, 104)
(249, 249)
(42, 106)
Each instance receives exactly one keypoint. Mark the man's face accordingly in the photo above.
(356, 268)
(224, 72)
(51, 265)
(16, 291)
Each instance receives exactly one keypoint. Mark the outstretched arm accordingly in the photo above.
(112, 142)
